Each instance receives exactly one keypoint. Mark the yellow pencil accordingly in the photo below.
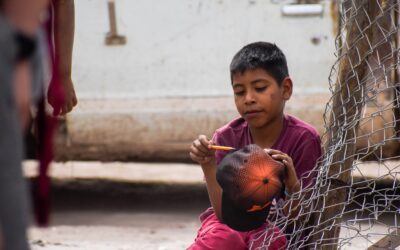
(221, 147)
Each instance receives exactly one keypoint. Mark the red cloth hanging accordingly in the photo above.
(46, 129)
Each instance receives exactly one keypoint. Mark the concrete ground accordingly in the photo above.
(136, 206)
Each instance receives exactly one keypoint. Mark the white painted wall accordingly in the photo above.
(182, 48)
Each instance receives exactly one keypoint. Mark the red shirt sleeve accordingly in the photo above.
(305, 159)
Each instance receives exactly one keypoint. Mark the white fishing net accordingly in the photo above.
(354, 202)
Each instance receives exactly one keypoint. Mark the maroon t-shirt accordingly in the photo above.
(298, 139)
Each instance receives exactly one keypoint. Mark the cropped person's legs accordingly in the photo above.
(13, 198)
(13, 189)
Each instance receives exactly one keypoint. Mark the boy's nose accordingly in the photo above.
(249, 98)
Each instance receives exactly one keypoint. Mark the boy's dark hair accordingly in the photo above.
(264, 55)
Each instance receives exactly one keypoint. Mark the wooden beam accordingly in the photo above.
(389, 242)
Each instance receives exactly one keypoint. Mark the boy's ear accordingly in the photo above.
(287, 87)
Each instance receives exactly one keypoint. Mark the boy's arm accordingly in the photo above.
(201, 153)
(213, 188)
(306, 160)
(291, 180)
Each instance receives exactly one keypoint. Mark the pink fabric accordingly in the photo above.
(214, 235)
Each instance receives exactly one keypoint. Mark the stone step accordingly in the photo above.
(384, 173)
(121, 171)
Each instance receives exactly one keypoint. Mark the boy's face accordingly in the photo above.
(258, 97)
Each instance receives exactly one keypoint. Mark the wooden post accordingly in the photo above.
(396, 95)
(111, 15)
(112, 37)
(344, 117)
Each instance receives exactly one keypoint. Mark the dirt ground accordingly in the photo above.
(106, 215)
(120, 231)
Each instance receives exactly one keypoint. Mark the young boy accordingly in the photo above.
(261, 86)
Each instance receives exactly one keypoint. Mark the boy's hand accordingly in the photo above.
(200, 151)
(291, 181)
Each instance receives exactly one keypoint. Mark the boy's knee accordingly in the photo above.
(219, 237)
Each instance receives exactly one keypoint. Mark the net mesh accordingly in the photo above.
(355, 200)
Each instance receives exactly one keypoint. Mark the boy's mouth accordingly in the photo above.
(252, 113)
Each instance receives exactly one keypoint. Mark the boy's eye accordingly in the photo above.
(260, 89)
(239, 93)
